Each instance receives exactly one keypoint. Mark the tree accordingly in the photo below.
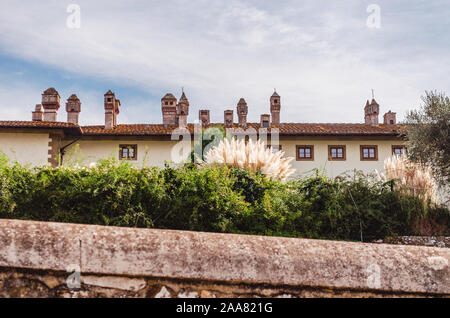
(429, 135)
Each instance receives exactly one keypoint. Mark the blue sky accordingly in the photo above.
(321, 56)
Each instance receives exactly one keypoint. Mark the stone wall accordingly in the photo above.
(436, 241)
(40, 259)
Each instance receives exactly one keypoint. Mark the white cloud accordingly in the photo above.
(319, 55)
(15, 104)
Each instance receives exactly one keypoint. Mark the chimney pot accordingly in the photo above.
(228, 118)
(203, 116)
(169, 109)
(182, 111)
(275, 108)
(265, 120)
(371, 112)
(73, 108)
(111, 110)
(242, 110)
(51, 104)
(390, 118)
(38, 114)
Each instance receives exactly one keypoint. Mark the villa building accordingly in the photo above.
(336, 148)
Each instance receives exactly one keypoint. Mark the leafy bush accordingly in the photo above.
(216, 199)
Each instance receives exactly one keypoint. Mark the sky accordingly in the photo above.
(322, 57)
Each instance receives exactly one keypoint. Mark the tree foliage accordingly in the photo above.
(429, 134)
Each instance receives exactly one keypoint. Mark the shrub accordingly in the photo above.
(199, 199)
(218, 199)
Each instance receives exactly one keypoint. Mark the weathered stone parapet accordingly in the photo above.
(156, 263)
(436, 241)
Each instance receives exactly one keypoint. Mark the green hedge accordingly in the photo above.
(215, 199)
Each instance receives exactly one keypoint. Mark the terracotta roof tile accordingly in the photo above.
(286, 129)
(36, 124)
(130, 129)
(339, 129)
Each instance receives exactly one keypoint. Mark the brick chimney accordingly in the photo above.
(51, 104)
(73, 108)
(228, 118)
(275, 107)
(371, 112)
(112, 109)
(203, 116)
(117, 111)
(182, 110)
(265, 120)
(169, 109)
(390, 118)
(242, 111)
(38, 114)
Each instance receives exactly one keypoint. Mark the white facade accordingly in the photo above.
(150, 153)
(26, 148)
(334, 168)
(33, 147)
(157, 153)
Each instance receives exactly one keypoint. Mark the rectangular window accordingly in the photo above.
(336, 152)
(369, 153)
(399, 150)
(265, 124)
(127, 152)
(305, 152)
